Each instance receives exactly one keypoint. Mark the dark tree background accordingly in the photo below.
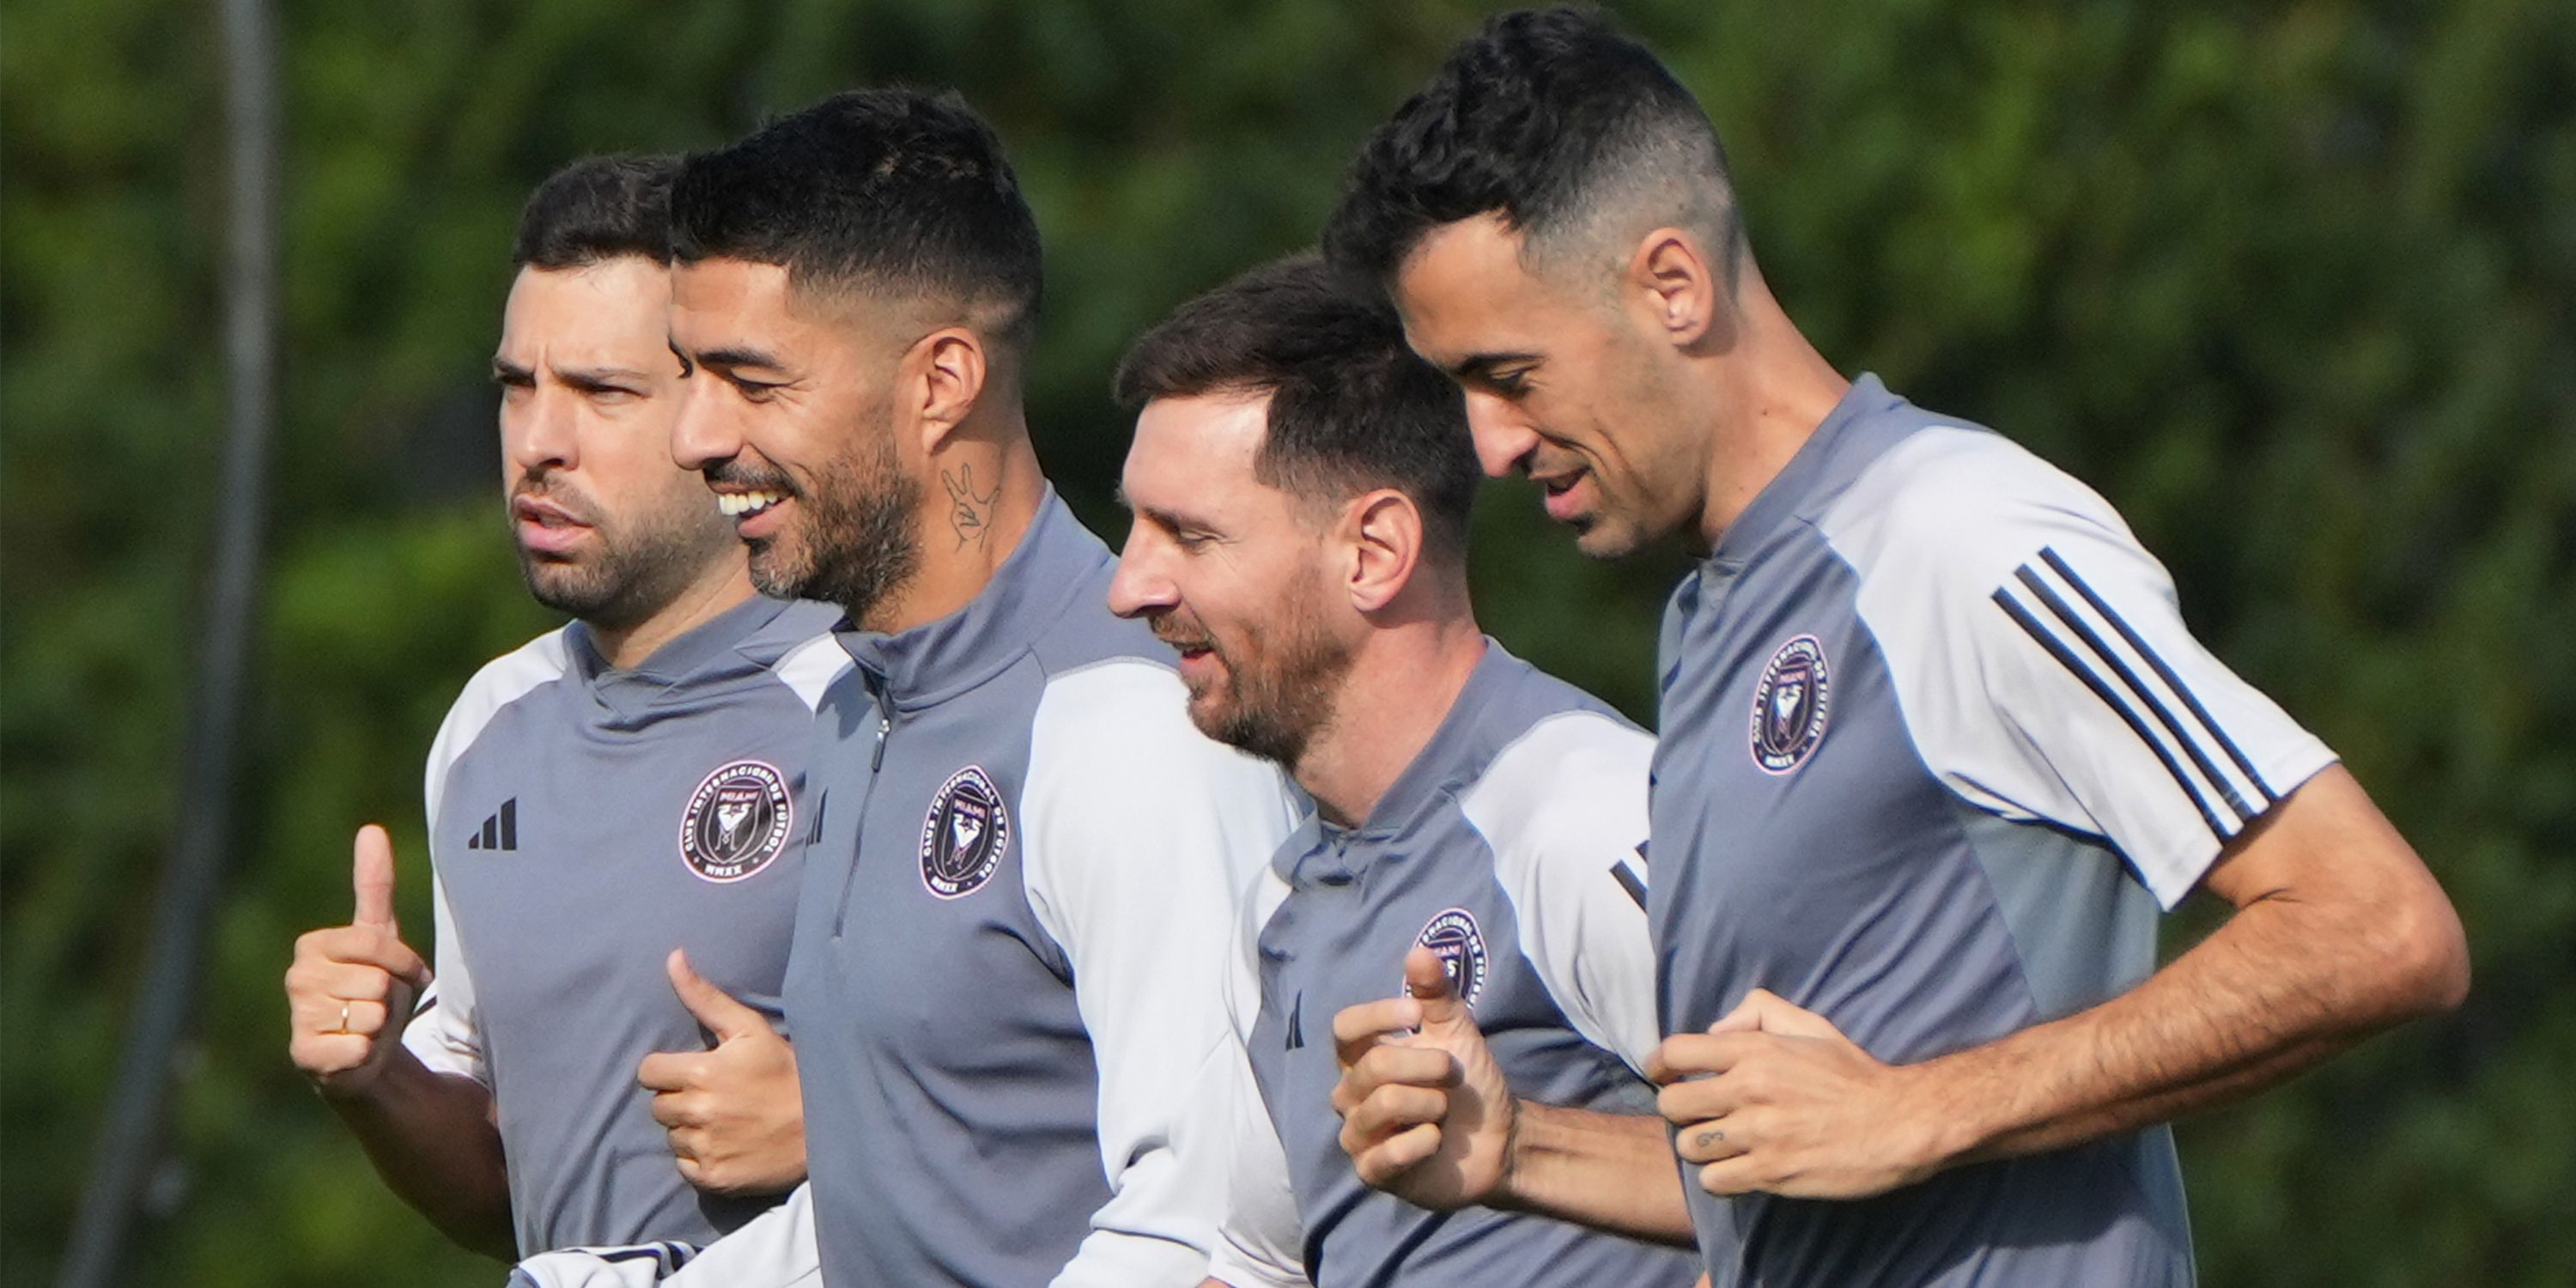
(2291, 283)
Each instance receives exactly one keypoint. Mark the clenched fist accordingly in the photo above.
(351, 988)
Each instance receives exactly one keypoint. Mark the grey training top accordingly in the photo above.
(1509, 846)
(1935, 746)
(584, 822)
(1005, 962)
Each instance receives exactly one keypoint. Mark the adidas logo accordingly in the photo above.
(500, 829)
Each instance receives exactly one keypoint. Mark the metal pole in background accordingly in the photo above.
(159, 1020)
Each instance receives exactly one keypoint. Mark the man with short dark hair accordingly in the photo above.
(1024, 856)
(1301, 486)
(677, 704)
(1935, 742)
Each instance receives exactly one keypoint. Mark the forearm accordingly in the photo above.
(431, 1137)
(2278, 988)
(1613, 1172)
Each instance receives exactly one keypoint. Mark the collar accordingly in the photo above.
(1459, 750)
(1056, 560)
(1786, 495)
(758, 629)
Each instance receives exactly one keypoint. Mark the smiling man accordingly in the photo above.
(628, 785)
(1301, 485)
(1935, 747)
(1009, 800)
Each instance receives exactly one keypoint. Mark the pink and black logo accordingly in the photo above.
(1790, 705)
(963, 839)
(737, 821)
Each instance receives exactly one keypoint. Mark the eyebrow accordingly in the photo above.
(1481, 366)
(507, 372)
(737, 356)
(1169, 520)
(1154, 514)
(591, 380)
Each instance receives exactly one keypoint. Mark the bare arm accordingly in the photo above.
(1612, 1172)
(431, 1137)
(2339, 932)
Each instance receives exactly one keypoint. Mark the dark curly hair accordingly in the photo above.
(893, 192)
(1555, 122)
(598, 208)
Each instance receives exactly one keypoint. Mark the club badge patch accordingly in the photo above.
(737, 821)
(1790, 706)
(1453, 935)
(963, 839)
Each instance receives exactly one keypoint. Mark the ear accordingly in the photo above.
(1683, 290)
(947, 369)
(1383, 535)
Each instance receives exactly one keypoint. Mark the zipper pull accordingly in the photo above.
(885, 716)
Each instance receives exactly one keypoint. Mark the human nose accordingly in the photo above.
(701, 433)
(537, 430)
(1141, 585)
(1503, 440)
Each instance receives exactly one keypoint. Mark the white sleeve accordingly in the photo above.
(773, 1250)
(1564, 810)
(441, 1031)
(1140, 830)
(1261, 1241)
(2042, 663)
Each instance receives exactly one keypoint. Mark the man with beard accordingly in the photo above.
(1936, 744)
(677, 704)
(1301, 485)
(1017, 892)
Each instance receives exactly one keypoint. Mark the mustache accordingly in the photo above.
(1168, 628)
(736, 472)
(547, 488)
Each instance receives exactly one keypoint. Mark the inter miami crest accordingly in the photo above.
(737, 821)
(963, 839)
(1453, 935)
(1789, 706)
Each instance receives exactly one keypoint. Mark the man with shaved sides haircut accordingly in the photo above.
(1023, 856)
(619, 798)
(1935, 748)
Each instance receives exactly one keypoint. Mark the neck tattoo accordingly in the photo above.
(970, 513)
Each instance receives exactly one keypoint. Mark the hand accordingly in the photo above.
(736, 1113)
(350, 990)
(1775, 1099)
(1426, 1115)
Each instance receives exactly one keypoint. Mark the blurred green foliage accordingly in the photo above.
(2295, 287)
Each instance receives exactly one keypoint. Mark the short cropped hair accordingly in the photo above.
(1351, 408)
(1555, 122)
(596, 209)
(893, 193)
